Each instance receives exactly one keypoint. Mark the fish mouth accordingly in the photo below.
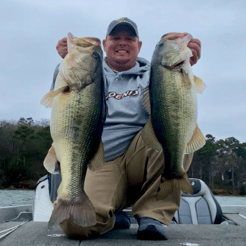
(89, 41)
(176, 65)
(179, 64)
(94, 40)
(174, 35)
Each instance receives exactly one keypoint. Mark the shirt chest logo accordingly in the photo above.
(120, 96)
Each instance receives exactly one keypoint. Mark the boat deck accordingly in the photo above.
(36, 234)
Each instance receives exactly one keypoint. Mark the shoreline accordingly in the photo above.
(22, 185)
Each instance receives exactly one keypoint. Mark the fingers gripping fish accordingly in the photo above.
(172, 94)
(76, 127)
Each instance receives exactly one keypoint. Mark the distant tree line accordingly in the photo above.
(24, 144)
(221, 164)
(23, 147)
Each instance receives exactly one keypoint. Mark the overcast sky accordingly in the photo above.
(30, 30)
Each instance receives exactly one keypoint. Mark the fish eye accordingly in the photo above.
(161, 44)
(96, 55)
(67, 89)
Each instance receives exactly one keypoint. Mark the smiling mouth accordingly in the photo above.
(122, 51)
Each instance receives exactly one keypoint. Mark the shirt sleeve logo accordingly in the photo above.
(120, 96)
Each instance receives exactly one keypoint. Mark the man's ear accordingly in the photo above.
(139, 46)
(104, 44)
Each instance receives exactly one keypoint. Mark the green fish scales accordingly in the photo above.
(174, 115)
(82, 138)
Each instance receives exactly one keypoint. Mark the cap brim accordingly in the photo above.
(121, 25)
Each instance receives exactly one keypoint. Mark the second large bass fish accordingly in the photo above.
(173, 108)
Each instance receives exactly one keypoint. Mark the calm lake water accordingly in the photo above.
(26, 197)
(16, 197)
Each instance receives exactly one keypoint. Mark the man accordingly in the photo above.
(132, 170)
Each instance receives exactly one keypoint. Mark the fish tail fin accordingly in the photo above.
(79, 211)
(167, 186)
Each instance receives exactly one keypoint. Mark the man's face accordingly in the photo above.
(122, 48)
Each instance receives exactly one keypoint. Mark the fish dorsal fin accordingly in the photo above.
(50, 160)
(47, 100)
(149, 137)
(199, 85)
(70, 41)
(196, 142)
(146, 99)
(98, 160)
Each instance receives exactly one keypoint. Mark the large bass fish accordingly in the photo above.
(76, 126)
(173, 108)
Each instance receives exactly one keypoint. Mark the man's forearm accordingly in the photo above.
(54, 76)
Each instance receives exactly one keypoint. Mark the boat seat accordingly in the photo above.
(46, 193)
(54, 182)
(199, 208)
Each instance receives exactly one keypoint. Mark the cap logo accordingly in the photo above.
(122, 19)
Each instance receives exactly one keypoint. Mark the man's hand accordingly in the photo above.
(61, 47)
(194, 45)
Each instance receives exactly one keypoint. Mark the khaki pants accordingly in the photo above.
(131, 179)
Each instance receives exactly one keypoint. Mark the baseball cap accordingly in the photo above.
(124, 21)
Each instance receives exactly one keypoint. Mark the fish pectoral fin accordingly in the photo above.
(80, 211)
(50, 161)
(167, 186)
(146, 99)
(47, 100)
(199, 85)
(97, 161)
(196, 142)
(149, 137)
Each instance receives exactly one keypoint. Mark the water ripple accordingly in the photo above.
(16, 197)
